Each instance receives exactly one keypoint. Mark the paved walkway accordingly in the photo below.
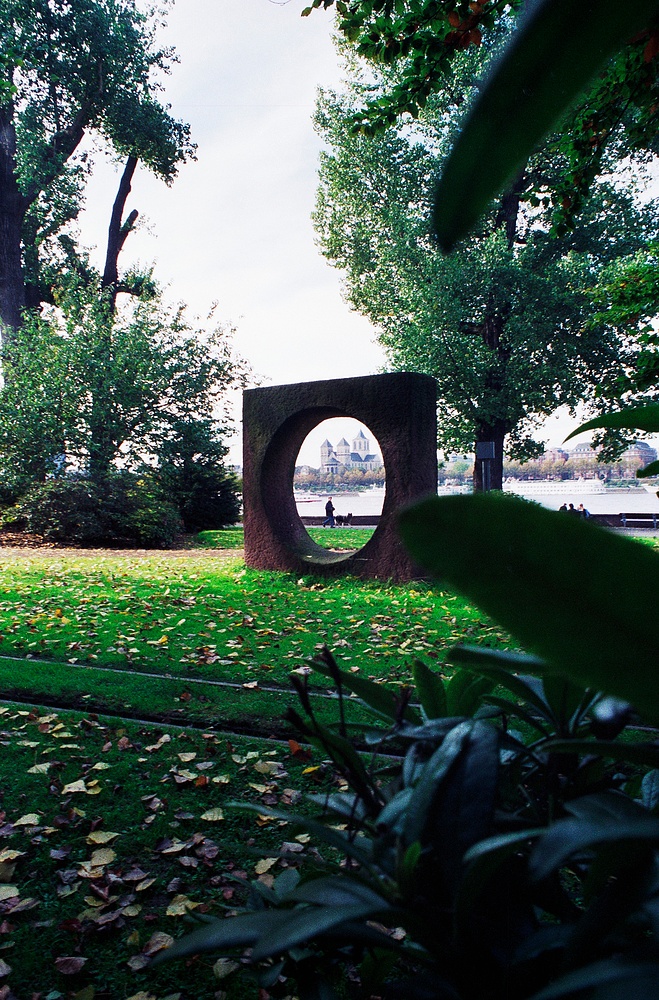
(57, 551)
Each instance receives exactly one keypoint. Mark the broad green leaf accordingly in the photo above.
(520, 686)
(643, 754)
(521, 565)
(306, 923)
(378, 697)
(640, 418)
(337, 890)
(467, 802)
(605, 807)
(222, 935)
(464, 693)
(504, 659)
(650, 790)
(550, 59)
(430, 690)
(356, 848)
(568, 837)
(620, 979)
(434, 773)
(484, 860)
(649, 470)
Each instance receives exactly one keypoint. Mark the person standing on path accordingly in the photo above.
(329, 510)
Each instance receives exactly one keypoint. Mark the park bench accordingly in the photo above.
(640, 520)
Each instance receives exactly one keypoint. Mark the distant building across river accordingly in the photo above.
(359, 455)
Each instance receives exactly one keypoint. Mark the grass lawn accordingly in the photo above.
(194, 618)
(112, 831)
(112, 835)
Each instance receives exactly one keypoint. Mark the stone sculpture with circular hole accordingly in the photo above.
(400, 410)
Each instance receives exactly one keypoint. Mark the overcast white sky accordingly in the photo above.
(235, 226)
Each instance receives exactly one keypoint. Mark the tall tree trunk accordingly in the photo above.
(118, 231)
(13, 205)
(488, 473)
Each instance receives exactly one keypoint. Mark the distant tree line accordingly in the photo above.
(346, 479)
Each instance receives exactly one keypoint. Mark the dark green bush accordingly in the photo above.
(124, 509)
(206, 495)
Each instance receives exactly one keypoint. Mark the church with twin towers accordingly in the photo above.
(345, 456)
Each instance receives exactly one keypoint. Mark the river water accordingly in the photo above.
(591, 493)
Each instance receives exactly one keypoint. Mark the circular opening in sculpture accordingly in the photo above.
(339, 485)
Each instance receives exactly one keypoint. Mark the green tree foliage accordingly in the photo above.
(192, 471)
(69, 68)
(89, 388)
(502, 323)
(423, 38)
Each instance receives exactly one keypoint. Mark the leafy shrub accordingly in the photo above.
(205, 495)
(500, 839)
(124, 509)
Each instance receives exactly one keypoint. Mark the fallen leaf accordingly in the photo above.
(213, 815)
(103, 856)
(68, 965)
(74, 786)
(180, 905)
(138, 962)
(40, 768)
(157, 942)
(30, 819)
(224, 967)
(100, 837)
(4, 968)
(264, 865)
(9, 855)
(8, 891)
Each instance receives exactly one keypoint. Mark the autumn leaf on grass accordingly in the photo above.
(157, 942)
(98, 837)
(224, 967)
(213, 815)
(179, 906)
(103, 856)
(68, 965)
(30, 819)
(7, 892)
(264, 865)
(40, 768)
(4, 969)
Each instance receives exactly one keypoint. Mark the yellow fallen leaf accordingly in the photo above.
(267, 766)
(101, 766)
(157, 942)
(179, 906)
(8, 891)
(163, 640)
(185, 757)
(132, 910)
(213, 815)
(74, 786)
(40, 768)
(101, 837)
(264, 865)
(30, 819)
(103, 856)
(9, 855)
(144, 884)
